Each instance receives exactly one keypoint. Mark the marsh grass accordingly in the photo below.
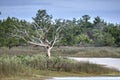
(29, 61)
(21, 50)
(111, 52)
(30, 64)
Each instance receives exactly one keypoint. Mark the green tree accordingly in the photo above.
(86, 18)
(115, 32)
(103, 38)
(84, 39)
(97, 20)
(6, 28)
(43, 19)
(85, 24)
(71, 31)
(99, 23)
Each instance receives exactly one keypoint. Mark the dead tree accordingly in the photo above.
(39, 36)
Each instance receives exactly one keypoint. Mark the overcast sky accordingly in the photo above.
(109, 10)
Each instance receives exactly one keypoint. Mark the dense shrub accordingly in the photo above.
(11, 65)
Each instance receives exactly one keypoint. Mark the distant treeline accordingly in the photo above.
(75, 32)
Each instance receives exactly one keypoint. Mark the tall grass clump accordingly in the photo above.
(20, 64)
(68, 65)
(41, 62)
(10, 66)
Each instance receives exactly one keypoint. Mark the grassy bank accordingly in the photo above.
(37, 64)
(31, 62)
(113, 52)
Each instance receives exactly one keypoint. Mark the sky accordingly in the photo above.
(109, 10)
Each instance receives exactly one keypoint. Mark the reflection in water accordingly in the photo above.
(109, 62)
(85, 78)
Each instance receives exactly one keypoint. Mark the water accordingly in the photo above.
(85, 78)
(108, 62)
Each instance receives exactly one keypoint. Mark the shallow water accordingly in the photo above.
(85, 78)
(108, 62)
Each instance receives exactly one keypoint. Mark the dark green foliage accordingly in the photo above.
(104, 39)
(115, 32)
(43, 21)
(99, 23)
(42, 18)
(70, 32)
(98, 33)
(44, 29)
(86, 18)
(6, 28)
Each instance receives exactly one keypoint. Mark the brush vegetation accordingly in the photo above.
(110, 52)
(12, 65)
(31, 61)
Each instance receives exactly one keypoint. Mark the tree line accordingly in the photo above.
(75, 32)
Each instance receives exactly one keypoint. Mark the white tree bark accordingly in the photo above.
(49, 51)
(40, 39)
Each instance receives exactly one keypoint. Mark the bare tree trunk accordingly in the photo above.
(49, 51)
